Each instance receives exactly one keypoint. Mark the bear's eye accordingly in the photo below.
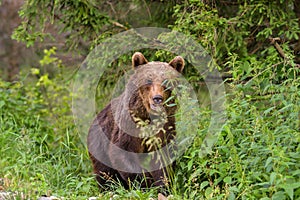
(148, 82)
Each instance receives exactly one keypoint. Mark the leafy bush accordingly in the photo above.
(243, 28)
(256, 156)
(42, 152)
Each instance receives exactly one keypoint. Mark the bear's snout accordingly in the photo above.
(158, 99)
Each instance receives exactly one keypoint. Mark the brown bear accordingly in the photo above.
(132, 136)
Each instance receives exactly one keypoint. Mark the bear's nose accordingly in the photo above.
(157, 99)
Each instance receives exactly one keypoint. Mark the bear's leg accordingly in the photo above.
(145, 179)
(127, 166)
(104, 174)
(160, 177)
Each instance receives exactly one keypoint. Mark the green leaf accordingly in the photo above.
(227, 180)
(269, 110)
(278, 196)
(272, 177)
(269, 160)
(171, 105)
(289, 188)
(190, 164)
(285, 108)
(265, 198)
(2, 103)
(208, 193)
(203, 185)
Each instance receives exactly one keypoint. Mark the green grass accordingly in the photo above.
(37, 157)
(256, 156)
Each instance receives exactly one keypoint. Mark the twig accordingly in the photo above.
(112, 7)
(280, 50)
(115, 23)
(277, 46)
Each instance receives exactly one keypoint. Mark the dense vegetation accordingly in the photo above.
(255, 45)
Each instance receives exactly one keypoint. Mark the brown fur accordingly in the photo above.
(119, 121)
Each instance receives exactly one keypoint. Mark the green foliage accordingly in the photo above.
(81, 18)
(42, 152)
(87, 20)
(256, 155)
(241, 27)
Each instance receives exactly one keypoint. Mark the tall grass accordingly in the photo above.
(256, 156)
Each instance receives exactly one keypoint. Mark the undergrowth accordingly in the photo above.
(256, 155)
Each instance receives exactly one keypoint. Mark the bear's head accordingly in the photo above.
(154, 81)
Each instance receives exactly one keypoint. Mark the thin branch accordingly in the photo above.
(115, 23)
(112, 7)
(280, 50)
(278, 47)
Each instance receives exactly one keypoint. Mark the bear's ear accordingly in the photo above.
(177, 63)
(138, 59)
